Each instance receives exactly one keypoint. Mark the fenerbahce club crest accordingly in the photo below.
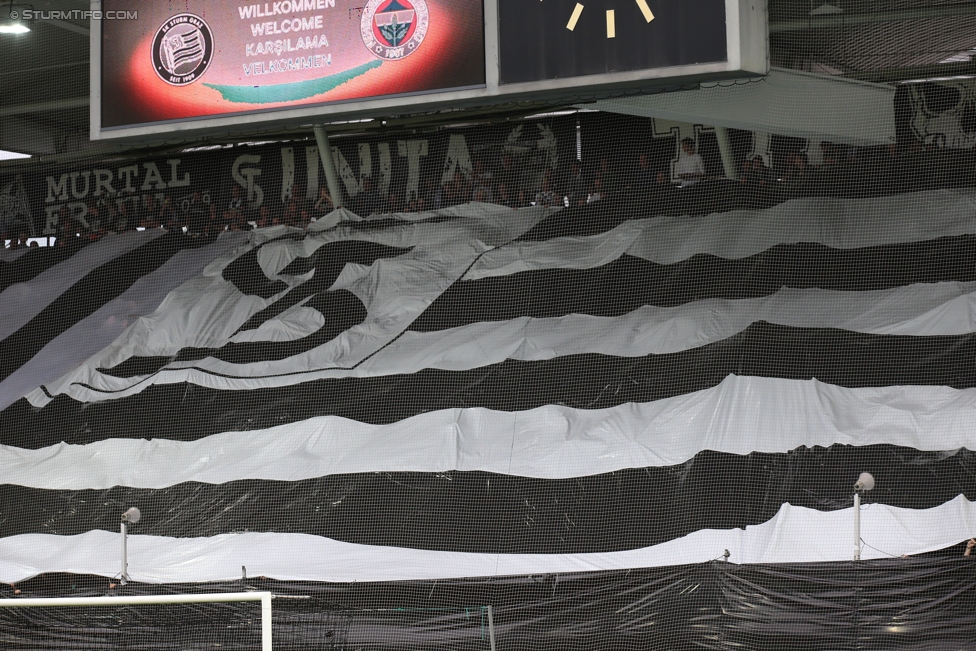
(182, 49)
(393, 29)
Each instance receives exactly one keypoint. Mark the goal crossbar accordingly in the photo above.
(136, 600)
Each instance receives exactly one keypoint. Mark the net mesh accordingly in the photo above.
(609, 362)
(183, 627)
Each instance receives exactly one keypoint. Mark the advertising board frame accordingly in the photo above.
(747, 50)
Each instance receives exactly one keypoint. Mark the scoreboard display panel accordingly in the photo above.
(198, 67)
(555, 39)
(201, 58)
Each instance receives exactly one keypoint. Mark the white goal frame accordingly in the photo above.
(227, 597)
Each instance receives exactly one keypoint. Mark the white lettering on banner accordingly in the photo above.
(174, 180)
(51, 219)
(127, 173)
(57, 190)
(250, 12)
(287, 65)
(286, 26)
(153, 178)
(413, 150)
(103, 182)
(286, 45)
(244, 177)
(344, 169)
(457, 156)
(75, 192)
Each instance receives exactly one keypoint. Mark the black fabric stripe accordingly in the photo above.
(489, 513)
(188, 412)
(629, 283)
(87, 295)
(32, 263)
(898, 604)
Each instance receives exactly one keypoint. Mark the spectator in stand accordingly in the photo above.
(690, 169)
(167, 217)
(323, 205)
(509, 173)
(198, 215)
(298, 196)
(457, 190)
(642, 176)
(482, 179)
(607, 175)
(366, 202)
(758, 174)
(597, 191)
(576, 187)
(796, 167)
(502, 197)
(235, 205)
(433, 195)
(264, 217)
(828, 153)
(292, 214)
(969, 547)
(545, 196)
(393, 203)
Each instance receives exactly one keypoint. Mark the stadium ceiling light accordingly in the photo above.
(865, 482)
(11, 21)
(8, 26)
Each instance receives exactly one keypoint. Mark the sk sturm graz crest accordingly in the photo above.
(393, 29)
(182, 49)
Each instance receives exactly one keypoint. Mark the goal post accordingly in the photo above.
(144, 600)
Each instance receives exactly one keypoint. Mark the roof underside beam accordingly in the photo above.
(785, 102)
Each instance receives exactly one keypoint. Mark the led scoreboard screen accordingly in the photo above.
(198, 67)
(201, 58)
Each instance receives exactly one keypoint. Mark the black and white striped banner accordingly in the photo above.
(462, 396)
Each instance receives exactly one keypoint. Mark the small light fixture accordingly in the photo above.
(865, 482)
(131, 516)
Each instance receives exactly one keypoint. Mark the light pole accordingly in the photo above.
(131, 516)
(865, 482)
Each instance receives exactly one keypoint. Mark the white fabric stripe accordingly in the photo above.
(551, 442)
(918, 310)
(23, 301)
(795, 534)
(837, 223)
(99, 329)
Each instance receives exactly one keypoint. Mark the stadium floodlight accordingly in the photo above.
(131, 516)
(11, 21)
(865, 482)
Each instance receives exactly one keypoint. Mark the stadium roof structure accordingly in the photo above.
(44, 105)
